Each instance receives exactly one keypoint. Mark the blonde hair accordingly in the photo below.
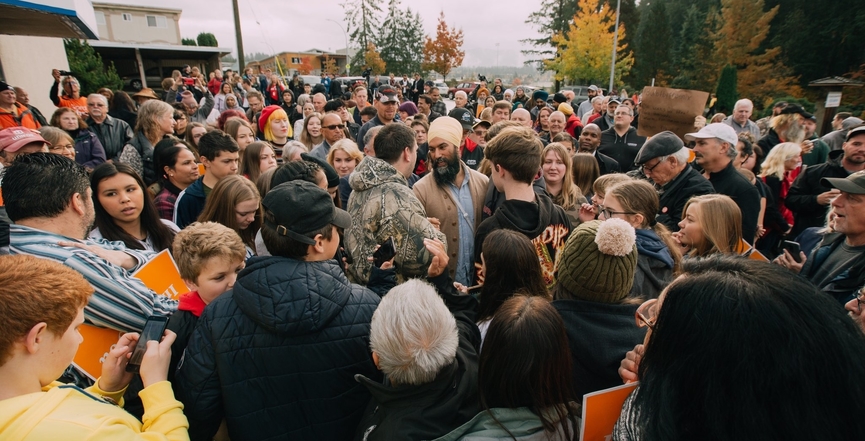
(276, 114)
(570, 193)
(720, 222)
(199, 242)
(147, 116)
(55, 135)
(787, 126)
(487, 114)
(773, 165)
(349, 147)
(606, 181)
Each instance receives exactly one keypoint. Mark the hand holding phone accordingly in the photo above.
(153, 330)
(794, 249)
(386, 251)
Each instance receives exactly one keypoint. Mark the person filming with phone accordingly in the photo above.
(40, 336)
(837, 265)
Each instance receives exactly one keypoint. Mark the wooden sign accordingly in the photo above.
(663, 109)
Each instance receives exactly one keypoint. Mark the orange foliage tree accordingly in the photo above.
(444, 53)
(762, 75)
(305, 67)
(329, 65)
(372, 59)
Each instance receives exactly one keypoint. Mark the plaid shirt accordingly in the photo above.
(440, 107)
(120, 301)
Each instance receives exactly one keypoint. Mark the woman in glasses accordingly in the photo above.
(593, 282)
(658, 258)
(740, 350)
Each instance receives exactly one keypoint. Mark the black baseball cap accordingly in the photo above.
(387, 94)
(795, 108)
(464, 116)
(300, 208)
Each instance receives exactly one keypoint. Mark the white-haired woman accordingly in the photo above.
(155, 121)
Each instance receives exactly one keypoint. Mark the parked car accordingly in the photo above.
(348, 83)
(465, 87)
(443, 88)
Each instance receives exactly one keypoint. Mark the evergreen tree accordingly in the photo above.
(89, 69)
(552, 18)
(726, 93)
(691, 42)
(363, 23)
(654, 44)
(401, 40)
(207, 39)
(188, 42)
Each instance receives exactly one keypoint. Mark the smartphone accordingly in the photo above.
(153, 330)
(188, 81)
(385, 252)
(793, 248)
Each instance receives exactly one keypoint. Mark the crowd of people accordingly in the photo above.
(366, 264)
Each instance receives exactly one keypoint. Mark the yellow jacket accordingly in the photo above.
(70, 413)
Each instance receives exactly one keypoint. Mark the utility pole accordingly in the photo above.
(615, 45)
(240, 62)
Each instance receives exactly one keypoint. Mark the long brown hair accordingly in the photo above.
(638, 196)
(250, 166)
(222, 203)
(512, 267)
(721, 223)
(585, 171)
(540, 378)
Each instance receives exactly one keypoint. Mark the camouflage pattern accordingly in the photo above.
(382, 205)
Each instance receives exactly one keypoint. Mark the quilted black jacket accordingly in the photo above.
(277, 355)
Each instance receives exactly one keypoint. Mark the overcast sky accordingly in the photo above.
(288, 25)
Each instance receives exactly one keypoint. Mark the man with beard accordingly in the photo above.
(586, 106)
(820, 151)
(386, 103)
(49, 201)
(453, 194)
(809, 197)
(590, 139)
(787, 127)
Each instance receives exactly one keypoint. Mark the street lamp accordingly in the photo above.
(615, 44)
(344, 34)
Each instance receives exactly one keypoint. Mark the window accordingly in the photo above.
(100, 18)
(156, 21)
(295, 60)
(127, 17)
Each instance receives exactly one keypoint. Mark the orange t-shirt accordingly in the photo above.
(79, 105)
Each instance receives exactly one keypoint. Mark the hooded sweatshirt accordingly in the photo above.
(382, 205)
(66, 412)
(654, 265)
(281, 347)
(543, 222)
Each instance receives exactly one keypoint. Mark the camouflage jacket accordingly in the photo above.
(382, 205)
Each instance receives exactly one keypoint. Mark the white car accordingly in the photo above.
(442, 87)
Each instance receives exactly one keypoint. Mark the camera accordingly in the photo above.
(481, 77)
(66, 73)
(366, 72)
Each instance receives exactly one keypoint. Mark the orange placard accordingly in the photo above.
(159, 274)
(601, 410)
(745, 249)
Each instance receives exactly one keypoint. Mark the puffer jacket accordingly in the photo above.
(382, 205)
(282, 347)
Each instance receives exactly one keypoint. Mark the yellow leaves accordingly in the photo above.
(585, 51)
(373, 60)
(444, 53)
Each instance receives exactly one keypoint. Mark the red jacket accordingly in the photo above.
(573, 124)
(24, 119)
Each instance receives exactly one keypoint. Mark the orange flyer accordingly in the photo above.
(601, 410)
(745, 249)
(159, 274)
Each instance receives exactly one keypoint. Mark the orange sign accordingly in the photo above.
(745, 249)
(601, 410)
(159, 274)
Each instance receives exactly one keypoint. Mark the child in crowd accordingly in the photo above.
(219, 155)
(39, 337)
(590, 212)
(209, 256)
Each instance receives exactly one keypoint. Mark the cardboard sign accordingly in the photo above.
(663, 109)
(601, 410)
(159, 274)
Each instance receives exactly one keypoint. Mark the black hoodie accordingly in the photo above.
(543, 222)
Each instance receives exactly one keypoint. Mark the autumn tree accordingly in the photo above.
(401, 40)
(363, 23)
(585, 49)
(444, 53)
(329, 65)
(305, 67)
(372, 59)
(739, 42)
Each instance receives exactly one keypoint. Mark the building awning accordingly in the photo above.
(162, 51)
(835, 82)
(49, 18)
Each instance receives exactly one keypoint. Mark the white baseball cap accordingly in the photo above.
(717, 130)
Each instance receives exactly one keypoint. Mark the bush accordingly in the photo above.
(88, 68)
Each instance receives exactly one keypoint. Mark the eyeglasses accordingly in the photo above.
(609, 213)
(860, 299)
(334, 127)
(649, 169)
(647, 314)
